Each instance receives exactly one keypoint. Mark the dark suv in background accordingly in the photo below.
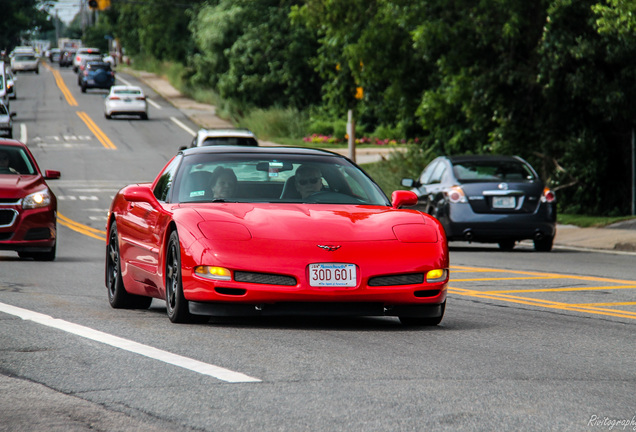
(97, 74)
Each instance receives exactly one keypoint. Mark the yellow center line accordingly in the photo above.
(605, 304)
(545, 275)
(101, 136)
(82, 229)
(544, 303)
(60, 83)
(593, 288)
(510, 278)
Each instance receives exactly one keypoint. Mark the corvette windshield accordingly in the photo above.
(280, 178)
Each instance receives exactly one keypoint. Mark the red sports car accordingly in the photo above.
(28, 208)
(235, 231)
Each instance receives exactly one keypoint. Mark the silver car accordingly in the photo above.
(6, 120)
(25, 62)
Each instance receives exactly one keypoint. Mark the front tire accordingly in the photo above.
(176, 304)
(423, 321)
(118, 297)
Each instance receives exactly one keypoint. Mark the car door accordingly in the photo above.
(142, 230)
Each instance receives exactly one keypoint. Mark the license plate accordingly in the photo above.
(127, 100)
(332, 275)
(503, 202)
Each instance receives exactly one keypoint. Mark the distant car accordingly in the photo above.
(237, 137)
(81, 53)
(28, 208)
(11, 89)
(97, 74)
(66, 57)
(126, 100)
(54, 55)
(24, 62)
(82, 65)
(488, 199)
(257, 231)
(6, 120)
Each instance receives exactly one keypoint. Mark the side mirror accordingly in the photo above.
(13, 114)
(402, 198)
(411, 183)
(52, 175)
(138, 193)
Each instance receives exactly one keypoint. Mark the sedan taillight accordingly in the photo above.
(141, 98)
(456, 195)
(114, 98)
(548, 196)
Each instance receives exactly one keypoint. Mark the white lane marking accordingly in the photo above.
(182, 126)
(128, 345)
(124, 81)
(23, 133)
(153, 103)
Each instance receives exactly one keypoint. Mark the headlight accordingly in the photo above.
(437, 275)
(211, 272)
(37, 200)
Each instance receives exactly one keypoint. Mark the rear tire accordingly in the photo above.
(118, 297)
(544, 245)
(507, 245)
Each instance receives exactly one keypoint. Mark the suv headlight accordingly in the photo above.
(37, 199)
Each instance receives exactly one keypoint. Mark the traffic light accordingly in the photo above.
(98, 4)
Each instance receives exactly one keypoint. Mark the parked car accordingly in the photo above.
(97, 74)
(54, 55)
(229, 230)
(6, 120)
(25, 62)
(126, 100)
(28, 208)
(11, 89)
(81, 53)
(239, 137)
(488, 199)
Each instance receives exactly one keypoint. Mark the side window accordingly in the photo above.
(426, 174)
(438, 173)
(166, 180)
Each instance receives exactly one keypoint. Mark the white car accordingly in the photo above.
(126, 100)
(81, 53)
(233, 137)
(6, 120)
(22, 62)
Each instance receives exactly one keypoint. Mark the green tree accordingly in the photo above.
(19, 19)
(251, 53)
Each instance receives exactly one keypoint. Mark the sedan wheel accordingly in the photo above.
(117, 295)
(544, 244)
(176, 304)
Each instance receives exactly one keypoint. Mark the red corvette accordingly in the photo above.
(235, 231)
(28, 208)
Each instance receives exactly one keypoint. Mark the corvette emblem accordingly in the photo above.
(329, 247)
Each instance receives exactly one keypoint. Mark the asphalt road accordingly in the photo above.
(530, 341)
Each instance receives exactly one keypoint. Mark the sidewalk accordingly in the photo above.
(620, 237)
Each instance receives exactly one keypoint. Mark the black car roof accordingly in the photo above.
(474, 158)
(258, 150)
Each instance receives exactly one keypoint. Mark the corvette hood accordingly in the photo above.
(18, 186)
(311, 222)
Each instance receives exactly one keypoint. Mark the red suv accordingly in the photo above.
(28, 208)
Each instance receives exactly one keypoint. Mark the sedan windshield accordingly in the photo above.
(14, 160)
(283, 178)
(492, 171)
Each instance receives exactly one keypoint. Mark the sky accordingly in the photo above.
(66, 9)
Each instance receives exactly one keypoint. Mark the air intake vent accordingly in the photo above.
(404, 279)
(264, 278)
